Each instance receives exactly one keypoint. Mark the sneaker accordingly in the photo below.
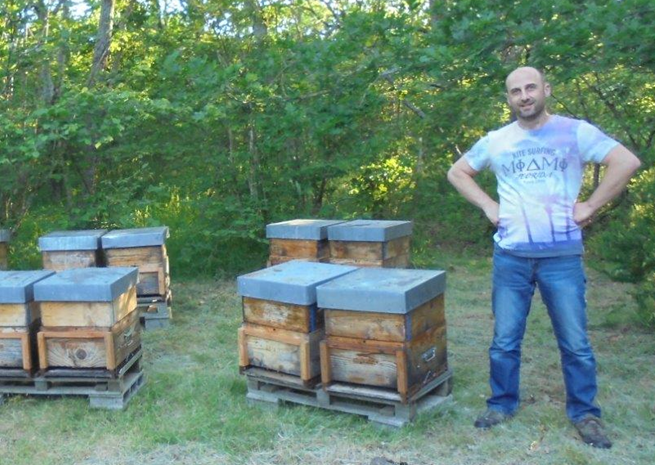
(491, 418)
(592, 433)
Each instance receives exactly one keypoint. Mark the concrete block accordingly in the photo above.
(5, 235)
(369, 231)
(300, 229)
(292, 282)
(136, 237)
(17, 287)
(71, 240)
(382, 290)
(86, 285)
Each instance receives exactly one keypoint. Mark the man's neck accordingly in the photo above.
(536, 123)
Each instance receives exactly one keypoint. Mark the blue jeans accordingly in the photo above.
(561, 282)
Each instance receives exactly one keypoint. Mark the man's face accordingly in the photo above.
(526, 93)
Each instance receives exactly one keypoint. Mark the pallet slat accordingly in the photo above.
(380, 406)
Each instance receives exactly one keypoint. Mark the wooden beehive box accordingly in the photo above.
(88, 317)
(371, 243)
(63, 250)
(299, 240)
(284, 296)
(80, 347)
(87, 297)
(384, 328)
(19, 318)
(144, 248)
(5, 235)
(282, 325)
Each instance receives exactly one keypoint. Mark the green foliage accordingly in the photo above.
(220, 116)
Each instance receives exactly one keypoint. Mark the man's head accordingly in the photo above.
(527, 91)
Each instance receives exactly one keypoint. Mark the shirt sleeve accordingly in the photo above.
(593, 144)
(478, 156)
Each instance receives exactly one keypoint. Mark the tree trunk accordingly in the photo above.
(103, 41)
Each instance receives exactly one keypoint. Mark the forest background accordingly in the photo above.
(216, 117)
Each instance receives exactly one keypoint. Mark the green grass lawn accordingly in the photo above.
(193, 410)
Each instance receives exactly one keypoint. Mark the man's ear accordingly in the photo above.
(547, 89)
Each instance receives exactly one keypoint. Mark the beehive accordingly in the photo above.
(299, 239)
(282, 325)
(5, 235)
(384, 328)
(144, 248)
(63, 250)
(88, 318)
(371, 243)
(19, 318)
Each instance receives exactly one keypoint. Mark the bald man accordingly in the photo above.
(538, 161)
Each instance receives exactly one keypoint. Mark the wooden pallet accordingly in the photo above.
(380, 406)
(155, 311)
(107, 389)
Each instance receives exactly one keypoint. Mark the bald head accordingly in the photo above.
(524, 73)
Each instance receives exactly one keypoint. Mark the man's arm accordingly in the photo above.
(621, 165)
(461, 176)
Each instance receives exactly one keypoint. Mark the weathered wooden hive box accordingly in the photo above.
(88, 318)
(299, 240)
(384, 328)
(19, 318)
(282, 325)
(63, 250)
(5, 235)
(371, 243)
(144, 248)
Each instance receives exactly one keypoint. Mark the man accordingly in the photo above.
(538, 161)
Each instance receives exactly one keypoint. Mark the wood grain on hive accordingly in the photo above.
(19, 318)
(299, 240)
(384, 328)
(282, 325)
(5, 235)
(371, 243)
(88, 317)
(63, 250)
(144, 248)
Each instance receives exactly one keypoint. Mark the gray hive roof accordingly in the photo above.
(71, 240)
(86, 284)
(292, 282)
(370, 230)
(382, 290)
(136, 237)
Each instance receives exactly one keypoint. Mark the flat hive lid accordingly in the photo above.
(382, 290)
(86, 284)
(17, 287)
(370, 230)
(300, 229)
(292, 282)
(136, 237)
(5, 235)
(71, 240)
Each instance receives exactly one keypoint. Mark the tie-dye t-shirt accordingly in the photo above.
(539, 176)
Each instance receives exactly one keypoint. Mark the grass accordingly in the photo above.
(192, 409)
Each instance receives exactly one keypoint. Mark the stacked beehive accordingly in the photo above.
(19, 321)
(299, 240)
(384, 328)
(282, 326)
(371, 243)
(144, 248)
(63, 250)
(89, 318)
(5, 235)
